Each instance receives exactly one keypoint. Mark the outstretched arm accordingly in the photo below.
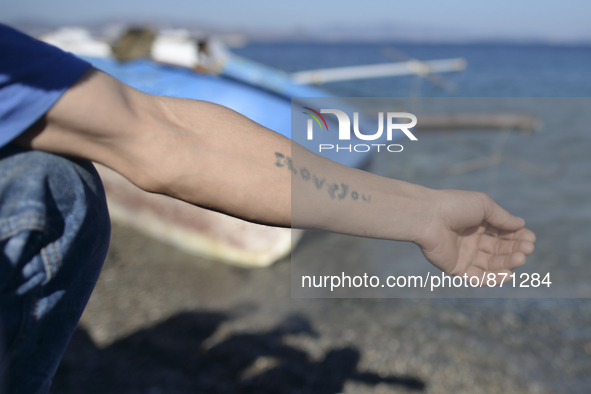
(215, 158)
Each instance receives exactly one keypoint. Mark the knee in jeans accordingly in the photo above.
(53, 207)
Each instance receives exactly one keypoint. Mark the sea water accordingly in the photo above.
(494, 70)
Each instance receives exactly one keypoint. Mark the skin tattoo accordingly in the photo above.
(335, 191)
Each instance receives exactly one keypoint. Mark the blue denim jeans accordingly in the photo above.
(54, 236)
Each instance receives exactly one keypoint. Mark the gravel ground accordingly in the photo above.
(161, 321)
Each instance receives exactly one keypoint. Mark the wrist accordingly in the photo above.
(420, 212)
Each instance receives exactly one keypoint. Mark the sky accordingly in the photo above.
(566, 20)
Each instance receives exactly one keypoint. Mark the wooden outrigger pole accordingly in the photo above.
(412, 67)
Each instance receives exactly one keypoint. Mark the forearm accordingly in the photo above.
(216, 158)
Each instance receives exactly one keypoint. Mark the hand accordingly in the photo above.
(470, 234)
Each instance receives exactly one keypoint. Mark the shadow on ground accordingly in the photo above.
(180, 355)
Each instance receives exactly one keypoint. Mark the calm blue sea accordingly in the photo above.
(494, 70)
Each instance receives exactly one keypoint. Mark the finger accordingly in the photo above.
(499, 217)
(521, 234)
(489, 262)
(498, 246)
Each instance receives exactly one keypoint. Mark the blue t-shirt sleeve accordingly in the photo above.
(33, 76)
